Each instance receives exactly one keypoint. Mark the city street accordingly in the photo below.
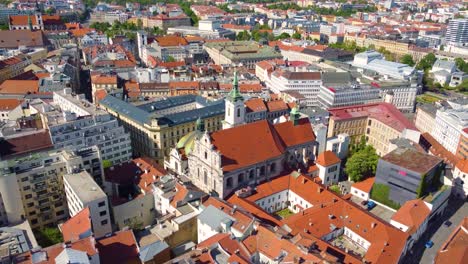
(438, 233)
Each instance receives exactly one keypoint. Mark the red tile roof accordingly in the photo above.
(455, 249)
(121, 247)
(19, 87)
(171, 40)
(76, 226)
(365, 185)
(104, 79)
(9, 104)
(412, 214)
(327, 158)
(271, 141)
(255, 105)
(384, 112)
(20, 20)
(25, 144)
(462, 165)
(242, 219)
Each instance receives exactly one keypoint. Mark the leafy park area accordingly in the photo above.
(48, 236)
(362, 162)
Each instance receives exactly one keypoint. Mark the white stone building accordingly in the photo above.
(449, 124)
(306, 83)
(82, 191)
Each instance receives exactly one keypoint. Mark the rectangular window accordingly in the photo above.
(101, 204)
(104, 222)
(102, 213)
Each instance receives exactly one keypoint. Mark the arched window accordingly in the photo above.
(205, 177)
(229, 182)
(262, 171)
(238, 112)
(241, 178)
(251, 174)
(273, 167)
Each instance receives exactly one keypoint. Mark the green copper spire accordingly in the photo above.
(294, 115)
(199, 125)
(235, 95)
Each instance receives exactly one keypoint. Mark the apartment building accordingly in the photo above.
(83, 192)
(156, 126)
(13, 66)
(32, 184)
(306, 83)
(424, 119)
(449, 125)
(75, 122)
(338, 96)
(462, 150)
(378, 123)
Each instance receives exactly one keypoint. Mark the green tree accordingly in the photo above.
(461, 65)
(362, 164)
(106, 164)
(48, 236)
(170, 59)
(426, 62)
(297, 35)
(50, 11)
(407, 59)
(243, 35)
(4, 26)
(283, 35)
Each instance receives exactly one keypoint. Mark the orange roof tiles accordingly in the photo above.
(276, 105)
(327, 158)
(20, 20)
(19, 87)
(462, 165)
(242, 219)
(171, 40)
(25, 144)
(272, 140)
(365, 185)
(412, 214)
(76, 226)
(9, 104)
(104, 79)
(121, 247)
(455, 249)
(255, 105)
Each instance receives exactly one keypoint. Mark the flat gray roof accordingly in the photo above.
(84, 186)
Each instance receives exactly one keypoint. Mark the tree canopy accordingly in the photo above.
(407, 59)
(461, 65)
(426, 62)
(362, 164)
(48, 236)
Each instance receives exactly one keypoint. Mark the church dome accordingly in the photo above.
(187, 141)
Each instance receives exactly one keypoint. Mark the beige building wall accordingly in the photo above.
(424, 121)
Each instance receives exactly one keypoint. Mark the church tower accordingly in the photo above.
(234, 110)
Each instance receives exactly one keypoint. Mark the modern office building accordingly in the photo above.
(156, 126)
(75, 122)
(457, 32)
(306, 83)
(83, 192)
(408, 173)
(339, 96)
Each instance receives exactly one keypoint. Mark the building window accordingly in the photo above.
(273, 167)
(251, 174)
(104, 222)
(241, 178)
(229, 182)
(101, 204)
(205, 177)
(206, 155)
(102, 213)
(238, 112)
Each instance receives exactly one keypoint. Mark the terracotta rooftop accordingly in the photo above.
(24, 144)
(104, 79)
(121, 247)
(171, 40)
(455, 249)
(412, 214)
(255, 105)
(21, 20)
(19, 87)
(462, 165)
(365, 185)
(272, 140)
(77, 226)
(9, 104)
(327, 158)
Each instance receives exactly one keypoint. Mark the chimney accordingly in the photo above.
(373, 225)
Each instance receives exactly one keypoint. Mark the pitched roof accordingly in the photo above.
(25, 144)
(462, 165)
(15, 38)
(271, 141)
(455, 248)
(9, 104)
(327, 158)
(121, 247)
(78, 225)
(255, 105)
(365, 185)
(20, 20)
(171, 40)
(19, 87)
(412, 214)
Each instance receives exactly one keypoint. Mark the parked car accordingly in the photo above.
(429, 244)
(371, 205)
